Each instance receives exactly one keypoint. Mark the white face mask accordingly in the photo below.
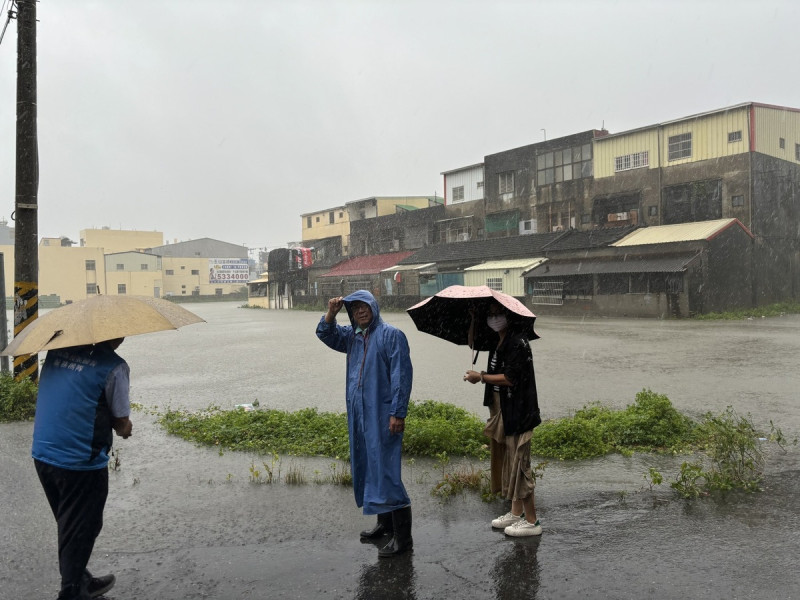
(497, 322)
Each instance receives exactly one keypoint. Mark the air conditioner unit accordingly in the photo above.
(623, 216)
(462, 237)
(558, 228)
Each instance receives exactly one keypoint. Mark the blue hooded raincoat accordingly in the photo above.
(379, 378)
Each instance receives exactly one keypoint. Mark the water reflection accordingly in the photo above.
(388, 579)
(516, 571)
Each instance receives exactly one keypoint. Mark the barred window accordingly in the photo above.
(735, 136)
(506, 183)
(632, 161)
(122, 288)
(680, 146)
(90, 265)
(495, 283)
(458, 193)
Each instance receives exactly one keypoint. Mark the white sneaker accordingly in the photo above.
(523, 529)
(507, 519)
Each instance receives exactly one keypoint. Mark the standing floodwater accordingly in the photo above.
(244, 354)
(185, 522)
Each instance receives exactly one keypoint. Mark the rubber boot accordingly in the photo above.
(401, 540)
(383, 527)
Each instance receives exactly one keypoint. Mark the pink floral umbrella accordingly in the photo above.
(447, 315)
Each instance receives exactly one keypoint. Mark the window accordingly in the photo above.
(144, 267)
(183, 267)
(782, 143)
(632, 161)
(527, 225)
(341, 214)
(330, 218)
(317, 220)
(195, 271)
(680, 146)
(737, 200)
(91, 288)
(458, 193)
(652, 211)
(479, 184)
(735, 136)
(170, 272)
(564, 165)
(586, 218)
(218, 291)
(308, 222)
(495, 283)
(90, 265)
(506, 183)
(121, 288)
(120, 267)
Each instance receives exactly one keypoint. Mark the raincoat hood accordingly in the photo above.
(367, 297)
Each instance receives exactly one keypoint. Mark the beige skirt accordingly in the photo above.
(518, 481)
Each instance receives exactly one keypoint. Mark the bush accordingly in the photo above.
(17, 398)
(569, 439)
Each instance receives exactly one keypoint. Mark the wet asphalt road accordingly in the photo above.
(184, 522)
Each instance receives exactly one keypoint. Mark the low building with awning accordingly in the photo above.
(358, 273)
(502, 275)
(409, 280)
(661, 271)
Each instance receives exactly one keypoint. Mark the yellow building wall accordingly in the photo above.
(709, 140)
(387, 206)
(137, 283)
(191, 274)
(62, 271)
(321, 227)
(607, 150)
(120, 240)
(513, 283)
(772, 124)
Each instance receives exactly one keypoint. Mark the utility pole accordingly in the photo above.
(26, 258)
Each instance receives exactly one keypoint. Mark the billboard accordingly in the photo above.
(228, 270)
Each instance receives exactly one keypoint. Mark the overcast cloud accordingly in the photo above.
(229, 119)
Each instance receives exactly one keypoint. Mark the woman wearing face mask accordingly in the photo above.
(510, 384)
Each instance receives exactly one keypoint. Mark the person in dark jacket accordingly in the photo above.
(510, 383)
(83, 396)
(379, 376)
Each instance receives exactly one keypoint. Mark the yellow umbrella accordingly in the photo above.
(97, 319)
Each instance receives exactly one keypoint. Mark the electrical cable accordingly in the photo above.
(11, 15)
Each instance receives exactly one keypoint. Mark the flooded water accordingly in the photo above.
(241, 355)
(186, 522)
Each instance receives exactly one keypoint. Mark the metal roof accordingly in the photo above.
(515, 263)
(367, 265)
(680, 232)
(409, 268)
(264, 280)
(672, 264)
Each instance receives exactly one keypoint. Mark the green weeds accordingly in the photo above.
(651, 423)
(17, 399)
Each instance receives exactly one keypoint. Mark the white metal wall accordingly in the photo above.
(471, 179)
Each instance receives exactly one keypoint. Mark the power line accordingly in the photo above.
(11, 15)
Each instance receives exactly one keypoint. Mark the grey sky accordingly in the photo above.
(245, 114)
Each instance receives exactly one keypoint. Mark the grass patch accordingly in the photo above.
(431, 428)
(651, 423)
(17, 399)
(772, 310)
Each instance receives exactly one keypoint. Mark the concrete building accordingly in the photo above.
(203, 267)
(120, 240)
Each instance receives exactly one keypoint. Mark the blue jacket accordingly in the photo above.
(72, 428)
(379, 378)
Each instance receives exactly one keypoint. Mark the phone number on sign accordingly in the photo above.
(231, 277)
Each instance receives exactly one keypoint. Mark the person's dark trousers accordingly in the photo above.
(77, 499)
(401, 539)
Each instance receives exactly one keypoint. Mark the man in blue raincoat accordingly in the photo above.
(379, 377)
